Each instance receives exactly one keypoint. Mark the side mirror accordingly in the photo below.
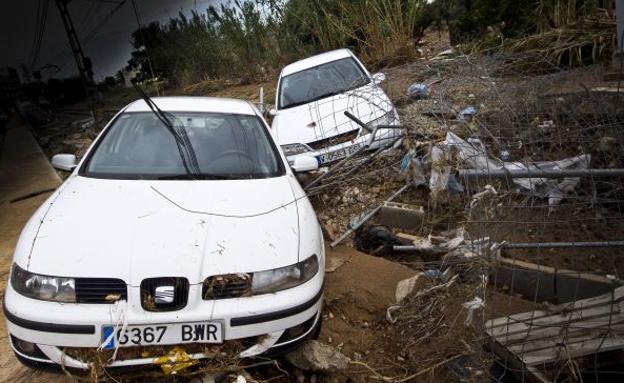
(304, 164)
(379, 78)
(65, 162)
(272, 112)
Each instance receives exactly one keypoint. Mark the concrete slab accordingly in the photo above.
(534, 285)
(401, 215)
(24, 170)
(546, 284)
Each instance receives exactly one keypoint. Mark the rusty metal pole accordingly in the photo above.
(618, 55)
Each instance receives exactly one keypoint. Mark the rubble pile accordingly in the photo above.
(481, 156)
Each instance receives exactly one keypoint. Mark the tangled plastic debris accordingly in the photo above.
(175, 361)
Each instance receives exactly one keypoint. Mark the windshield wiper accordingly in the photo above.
(181, 138)
(197, 177)
(178, 177)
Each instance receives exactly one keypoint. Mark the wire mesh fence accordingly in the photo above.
(519, 173)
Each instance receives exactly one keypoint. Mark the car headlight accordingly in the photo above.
(271, 281)
(43, 287)
(387, 119)
(293, 149)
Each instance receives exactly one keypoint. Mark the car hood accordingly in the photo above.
(136, 229)
(325, 118)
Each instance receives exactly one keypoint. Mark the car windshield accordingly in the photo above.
(321, 81)
(139, 146)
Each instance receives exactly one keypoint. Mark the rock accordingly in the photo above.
(405, 287)
(467, 113)
(316, 356)
(333, 263)
(418, 91)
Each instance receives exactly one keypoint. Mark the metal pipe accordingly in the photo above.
(561, 245)
(619, 19)
(531, 245)
(539, 173)
(417, 248)
(369, 215)
(357, 121)
(261, 100)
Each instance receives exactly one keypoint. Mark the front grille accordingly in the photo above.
(100, 290)
(335, 140)
(226, 286)
(151, 300)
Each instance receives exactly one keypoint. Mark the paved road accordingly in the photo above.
(26, 178)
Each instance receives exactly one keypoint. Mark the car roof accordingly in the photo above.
(316, 60)
(194, 104)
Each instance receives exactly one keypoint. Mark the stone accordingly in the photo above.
(317, 356)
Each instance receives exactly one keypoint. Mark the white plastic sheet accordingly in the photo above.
(472, 154)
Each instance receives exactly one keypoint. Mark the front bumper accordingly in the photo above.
(265, 320)
(326, 155)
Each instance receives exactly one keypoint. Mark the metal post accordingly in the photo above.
(261, 100)
(538, 173)
(561, 245)
(618, 56)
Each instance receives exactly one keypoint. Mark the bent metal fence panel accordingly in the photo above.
(541, 166)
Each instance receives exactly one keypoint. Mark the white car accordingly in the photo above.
(312, 97)
(182, 225)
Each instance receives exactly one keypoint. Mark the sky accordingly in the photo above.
(109, 50)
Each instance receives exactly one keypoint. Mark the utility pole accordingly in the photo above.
(149, 61)
(83, 63)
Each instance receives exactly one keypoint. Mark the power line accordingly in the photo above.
(140, 24)
(98, 27)
(37, 27)
(88, 15)
(42, 15)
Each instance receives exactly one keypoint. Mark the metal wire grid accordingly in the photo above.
(527, 118)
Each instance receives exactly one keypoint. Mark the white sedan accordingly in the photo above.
(312, 97)
(183, 225)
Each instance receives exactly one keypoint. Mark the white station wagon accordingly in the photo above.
(182, 225)
(312, 97)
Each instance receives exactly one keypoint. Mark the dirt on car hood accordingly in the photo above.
(136, 229)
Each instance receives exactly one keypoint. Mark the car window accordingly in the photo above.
(319, 82)
(138, 145)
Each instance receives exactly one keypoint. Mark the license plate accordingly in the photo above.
(164, 334)
(337, 154)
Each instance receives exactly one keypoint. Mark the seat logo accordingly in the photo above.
(164, 295)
